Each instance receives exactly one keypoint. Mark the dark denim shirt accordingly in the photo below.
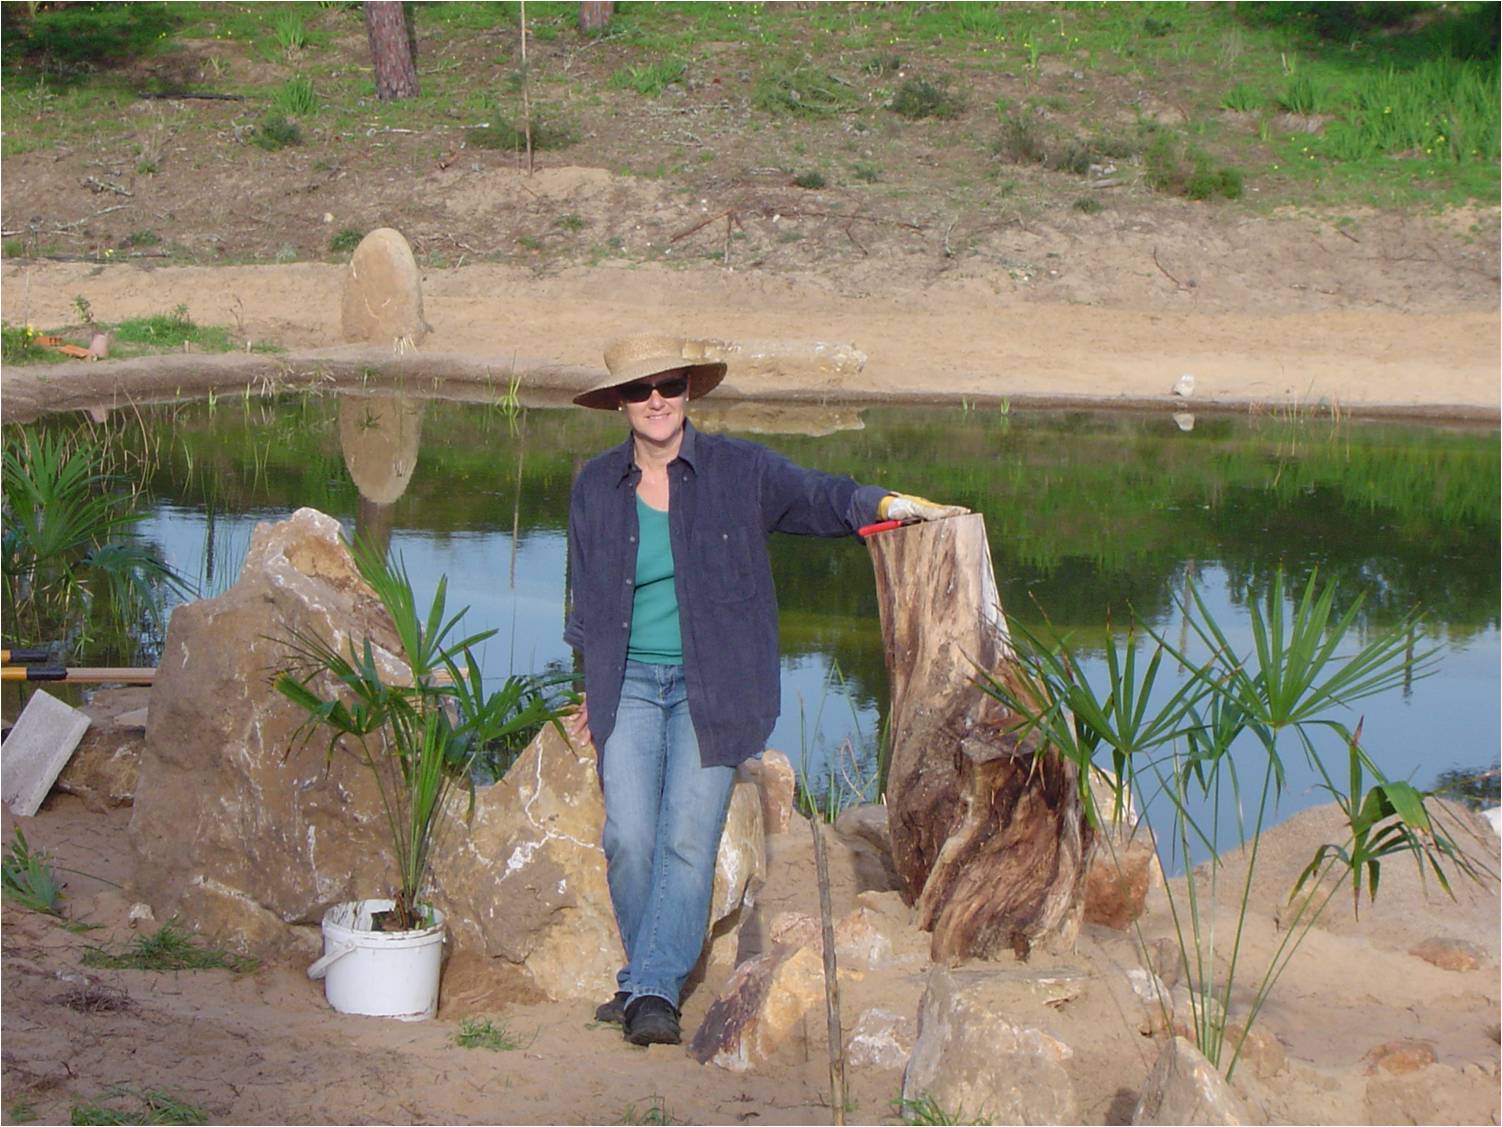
(726, 496)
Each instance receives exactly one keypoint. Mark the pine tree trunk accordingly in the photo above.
(988, 833)
(393, 49)
(594, 14)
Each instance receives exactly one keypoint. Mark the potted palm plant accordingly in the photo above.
(420, 734)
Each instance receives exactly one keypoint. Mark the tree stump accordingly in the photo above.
(988, 833)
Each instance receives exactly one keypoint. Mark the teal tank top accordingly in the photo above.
(655, 637)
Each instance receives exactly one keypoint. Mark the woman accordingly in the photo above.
(676, 620)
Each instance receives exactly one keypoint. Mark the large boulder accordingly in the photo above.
(250, 838)
(984, 1052)
(524, 880)
(234, 828)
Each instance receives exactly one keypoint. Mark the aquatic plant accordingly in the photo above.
(419, 738)
(71, 568)
(1235, 717)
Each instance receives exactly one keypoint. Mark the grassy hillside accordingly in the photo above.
(1016, 108)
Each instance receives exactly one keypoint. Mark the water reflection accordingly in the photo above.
(379, 436)
(1091, 517)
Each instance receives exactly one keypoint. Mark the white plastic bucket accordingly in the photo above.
(379, 973)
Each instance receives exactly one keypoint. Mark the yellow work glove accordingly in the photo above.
(903, 506)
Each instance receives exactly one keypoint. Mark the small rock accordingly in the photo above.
(1399, 1057)
(1117, 883)
(881, 1039)
(1449, 953)
(975, 1059)
(1165, 960)
(140, 913)
(1184, 420)
(761, 1006)
(794, 929)
(1148, 986)
(774, 778)
(1184, 385)
(1256, 1047)
(1184, 1087)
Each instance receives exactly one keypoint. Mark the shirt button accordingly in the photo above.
(724, 536)
(625, 626)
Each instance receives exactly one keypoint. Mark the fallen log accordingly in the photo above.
(989, 836)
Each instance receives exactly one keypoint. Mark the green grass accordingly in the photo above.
(547, 133)
(172, 332)
(1242, 98)
(655, 1112)
(801, 88)
(28, 879)
(482, 1033)
(169, 948)
(650, 78)
(295, 97)
(149, 1106)
(926, 1110)
(18, 346)
(346, 240)
(918, 98)
(276, 132)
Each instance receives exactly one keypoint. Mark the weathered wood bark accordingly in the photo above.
(988, 835)
(393, 51)
(594, 14)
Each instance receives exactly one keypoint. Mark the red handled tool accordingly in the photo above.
(879, 526)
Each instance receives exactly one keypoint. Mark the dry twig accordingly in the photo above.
(1170, 277)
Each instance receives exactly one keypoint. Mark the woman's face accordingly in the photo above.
(658, 418)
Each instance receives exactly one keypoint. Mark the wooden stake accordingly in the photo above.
(831, 980)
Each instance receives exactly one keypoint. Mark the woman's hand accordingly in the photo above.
(577, 724)
(905, 507)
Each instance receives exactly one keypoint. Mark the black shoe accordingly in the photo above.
(613, 1012)
(651, 1020)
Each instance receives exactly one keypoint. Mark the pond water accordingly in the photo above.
(1092, 517)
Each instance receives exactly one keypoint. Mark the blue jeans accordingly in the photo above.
(664, 814)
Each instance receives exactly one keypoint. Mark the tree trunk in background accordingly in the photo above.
(393, 49)
(988, 833)
(594, 14)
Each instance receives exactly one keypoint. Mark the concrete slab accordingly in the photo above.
(37, 749)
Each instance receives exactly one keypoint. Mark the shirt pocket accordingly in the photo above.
(730, 562)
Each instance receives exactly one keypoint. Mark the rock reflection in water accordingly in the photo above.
(379, 436)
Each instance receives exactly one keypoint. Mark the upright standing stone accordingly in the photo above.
(383, 294)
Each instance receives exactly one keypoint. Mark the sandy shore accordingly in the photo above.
(956, 336)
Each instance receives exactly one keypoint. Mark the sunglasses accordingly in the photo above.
(640, 392)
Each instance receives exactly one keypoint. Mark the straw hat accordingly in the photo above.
(637, 357)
